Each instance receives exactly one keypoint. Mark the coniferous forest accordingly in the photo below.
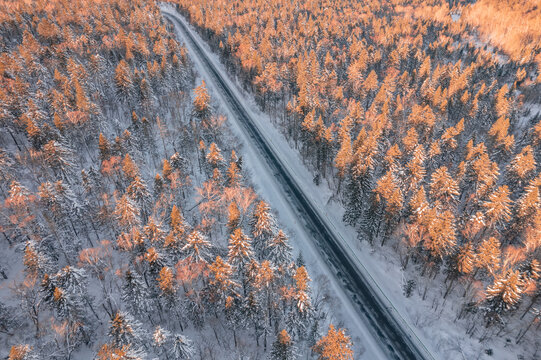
(130, 228)
(424, 119)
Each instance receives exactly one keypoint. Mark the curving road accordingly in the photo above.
(397, 341)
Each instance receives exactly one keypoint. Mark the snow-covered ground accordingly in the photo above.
(366, 346)
(432, 320)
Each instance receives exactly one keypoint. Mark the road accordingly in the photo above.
(396, 341)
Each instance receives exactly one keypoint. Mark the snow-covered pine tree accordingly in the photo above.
(283, 348)
(503, 295)
(197, 247)
(278, 250)
(335, 345)
(263, 227)
(240, 249)
(22, 352)
(124, 330)
(233, 216)
(138, 192)
(202, 102)
(127, 213)
(135, 293)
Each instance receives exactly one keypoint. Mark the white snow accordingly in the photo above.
(271, 190)
(443, 337)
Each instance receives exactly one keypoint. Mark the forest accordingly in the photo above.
(424, 119)
(129, 227)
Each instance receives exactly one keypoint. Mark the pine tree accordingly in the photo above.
(127, 213)
(502, 105)
(233, 216)
(389, 191)
(155, 259)
(355, 192)
(419, 204)
(221, 281)
(124, 80)
(371, 82)
(176, 222)
(530, 201)
(392, 156)
(129, 168)
(498, 206)
(161, 337)
(253, 311)
(197, 247)
(22, 352)
(410, 140)
(214, 156)
(240, 249)
(302, 289)
(154, 232)
(251, 274)
(449, 136)
(166, 283)
(504, 294)
(124, 330)
(104, 147)
(488, 255)
(443, 187)
(125, 352)
(537, 133)
(158, 184)
(523, 164)
(135, 293)
(81, 101)
(466, 259)
(146, 94)
(336, 345)
(282, 348)
(70, 292)
(131, 240)
(424, 70)
(423, 117)
(308, 124)
(66, 292)
(499, 134)
(59, 157)
(138, 192)
(263, 225)
(279, 251)
(201, 102)
(59, 202)
(344, 157)
(481, 169)
(181, 347)
(441, 234)
(234, 315)
(233, 175)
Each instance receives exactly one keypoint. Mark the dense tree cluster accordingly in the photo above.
(129, 228)
(430, 138)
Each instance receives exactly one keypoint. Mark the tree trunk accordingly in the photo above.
(449, 287)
